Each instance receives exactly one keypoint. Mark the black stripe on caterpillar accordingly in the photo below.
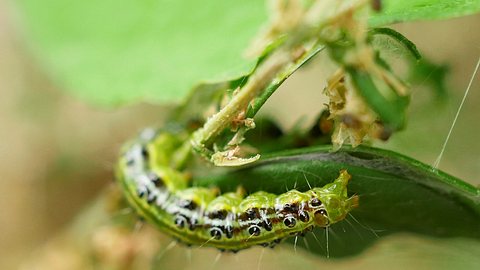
(230, 221)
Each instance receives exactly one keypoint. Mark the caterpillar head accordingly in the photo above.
(331, 202)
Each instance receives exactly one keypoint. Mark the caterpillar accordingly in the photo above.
(230, 221)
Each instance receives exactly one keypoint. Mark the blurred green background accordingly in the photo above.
(57, 152)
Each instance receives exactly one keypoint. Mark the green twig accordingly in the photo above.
(257, 82)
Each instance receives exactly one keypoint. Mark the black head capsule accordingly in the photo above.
(216, 233)
(254, 230)
(290, 221)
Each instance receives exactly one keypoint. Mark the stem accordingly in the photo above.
(257, 82)
(259, 101)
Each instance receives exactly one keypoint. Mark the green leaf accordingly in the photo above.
(111, 52)
(390, 106)
(397, 193)
(395, 11)
(403, 41)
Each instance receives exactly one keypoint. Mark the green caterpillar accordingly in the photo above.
(230, 221)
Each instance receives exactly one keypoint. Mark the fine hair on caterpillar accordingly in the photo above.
(230, 221)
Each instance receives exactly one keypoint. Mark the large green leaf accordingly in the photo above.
(112, 52)
(394, 11)
(397, 194)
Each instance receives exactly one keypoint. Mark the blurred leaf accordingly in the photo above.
(395, 11)
(110, 52)
(397, 194)
(421, 71)
(388, 104)
(400, 41)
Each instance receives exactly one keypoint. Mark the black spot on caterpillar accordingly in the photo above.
(231, 221)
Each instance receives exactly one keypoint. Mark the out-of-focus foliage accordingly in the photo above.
(111, 52)
(395, 11)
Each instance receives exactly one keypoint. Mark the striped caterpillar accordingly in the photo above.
(230, 221)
